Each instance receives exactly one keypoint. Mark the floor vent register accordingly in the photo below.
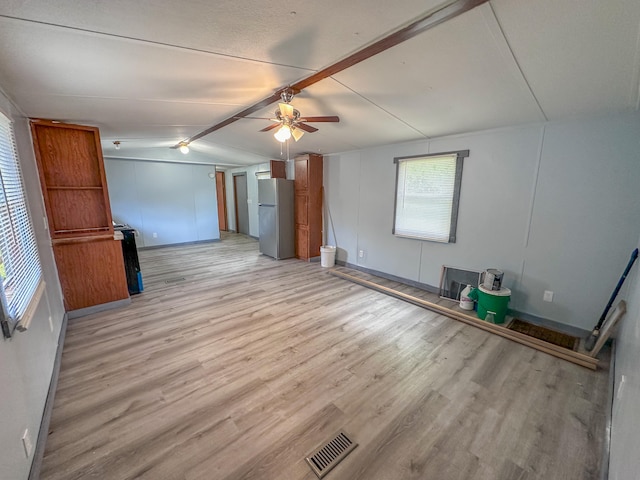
(330, 454)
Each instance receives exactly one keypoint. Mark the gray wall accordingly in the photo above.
(27, 359)
(553, 205)
(176, 201)
(625, 434)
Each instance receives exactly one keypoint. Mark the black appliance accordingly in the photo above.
(131, 262)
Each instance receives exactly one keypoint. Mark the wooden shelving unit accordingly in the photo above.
(308, 205)
(74, 188)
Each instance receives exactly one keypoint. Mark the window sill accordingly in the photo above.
(30, 312)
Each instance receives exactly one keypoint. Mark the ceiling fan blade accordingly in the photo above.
(306, 128)
(286, 109)
(297, 134)
(258, 118)
(331, 118)
(270, 127)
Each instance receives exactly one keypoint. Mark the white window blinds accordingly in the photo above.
(20, 269)
(427, 194)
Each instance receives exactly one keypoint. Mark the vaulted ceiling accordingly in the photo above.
(151, 73)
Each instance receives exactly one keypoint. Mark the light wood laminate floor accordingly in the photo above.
(245, 366)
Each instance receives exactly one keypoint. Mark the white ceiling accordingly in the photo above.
(153, 72)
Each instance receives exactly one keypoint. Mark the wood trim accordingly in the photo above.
(609, 325)
(93, 238)
(221, 199)
(244, 113)
(419, 26)
(49, 187)
(559, 352)
(422, 24)
(54, 123)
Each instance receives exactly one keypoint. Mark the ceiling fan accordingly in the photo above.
(289, 122)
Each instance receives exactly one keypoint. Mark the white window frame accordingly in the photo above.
(22, 288)
(400, 227)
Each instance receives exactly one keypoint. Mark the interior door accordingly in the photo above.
(221, 193)
(242, 207)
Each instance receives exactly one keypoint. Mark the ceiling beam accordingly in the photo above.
(417, 27)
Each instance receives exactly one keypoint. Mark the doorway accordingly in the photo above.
(221, 194)
(241, 201)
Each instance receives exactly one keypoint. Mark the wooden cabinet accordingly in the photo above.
(278, 169)
(74, 187)
(91, 272)
(308, 205)
(73, 180)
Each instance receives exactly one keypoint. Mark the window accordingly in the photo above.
(20, 271)
(427, 196)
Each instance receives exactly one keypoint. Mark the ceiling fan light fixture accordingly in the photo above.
(286, 109)
(184, 147)
(297, 134)
(287, 95)
(283, 134)
(117, 144)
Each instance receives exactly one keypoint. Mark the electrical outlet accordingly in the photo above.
(360, 253)
(26, 443)
(155, 235)
(548, 296)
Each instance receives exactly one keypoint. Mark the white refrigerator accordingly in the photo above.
(275, 218)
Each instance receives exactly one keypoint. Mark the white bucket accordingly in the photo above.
(327, 255)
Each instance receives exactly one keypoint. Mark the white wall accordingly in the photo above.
(176, 201)
(625, 434)
(554, 206)
(27, 359)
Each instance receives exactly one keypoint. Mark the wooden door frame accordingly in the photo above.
(224, 199)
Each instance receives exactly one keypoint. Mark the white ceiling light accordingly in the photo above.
(117, 144)
(184, 147)
(283, 134)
